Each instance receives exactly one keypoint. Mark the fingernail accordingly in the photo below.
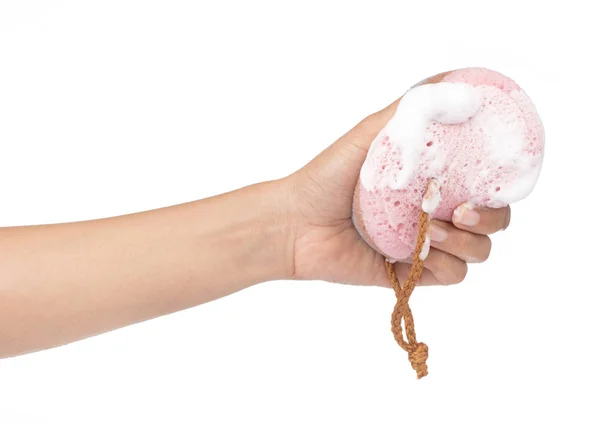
(437, 233)
(466, 215)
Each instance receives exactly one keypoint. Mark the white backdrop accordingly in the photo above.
(114, 107)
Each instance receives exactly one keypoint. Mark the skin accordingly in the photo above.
(64, 282)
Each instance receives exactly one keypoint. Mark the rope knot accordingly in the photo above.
(418, 359)
(417, 352)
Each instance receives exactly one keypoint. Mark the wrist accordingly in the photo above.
(277, 230)
(266, 219)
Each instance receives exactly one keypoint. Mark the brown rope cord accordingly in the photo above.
(417, 351)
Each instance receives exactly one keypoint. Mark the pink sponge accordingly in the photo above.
(472, 132)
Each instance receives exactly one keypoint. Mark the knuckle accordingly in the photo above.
(465, 241)
(449, 269)
(435, 263)
(439, 261)
(464, 244)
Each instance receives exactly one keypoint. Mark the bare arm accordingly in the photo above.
(60, 283)
(64, 282)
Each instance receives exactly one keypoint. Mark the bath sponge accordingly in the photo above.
(472, 131)
(465, 136)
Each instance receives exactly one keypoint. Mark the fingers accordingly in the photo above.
(468, 246)
(455, 244)
(482, 221)
(402, 270)
(446, 268)
(441, 268)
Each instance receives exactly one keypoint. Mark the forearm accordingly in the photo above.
(60, 283)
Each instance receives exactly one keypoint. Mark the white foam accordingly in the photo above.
(506, 170)
(517, 189)
(432, 197)
(447, 103)
(504, 129)
(505, 140)
(425, 249)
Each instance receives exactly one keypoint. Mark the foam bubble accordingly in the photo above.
(425, 249)
(447, 103)
(476, 134)
(432, 197)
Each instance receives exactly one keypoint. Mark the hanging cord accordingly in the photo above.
(417, 351)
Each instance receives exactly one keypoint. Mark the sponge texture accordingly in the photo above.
(485, 148)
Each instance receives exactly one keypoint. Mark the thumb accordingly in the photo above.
(361, 135)
(365, 132)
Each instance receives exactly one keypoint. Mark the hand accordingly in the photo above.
(326, 246)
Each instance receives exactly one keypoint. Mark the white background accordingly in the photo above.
(114, 107)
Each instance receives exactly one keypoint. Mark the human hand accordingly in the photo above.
(326, 245)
